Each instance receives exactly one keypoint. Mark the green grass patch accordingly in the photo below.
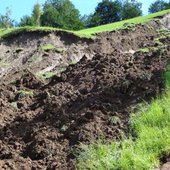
(62, 70)
(151, 128)
(144, 50)
(14, 105)
(26, 93)
(45, 75)
(59, 50)
(47, 47)
(5, 65)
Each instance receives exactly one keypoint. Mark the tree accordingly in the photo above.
(34, 19)
(26, 21)
(5, 20)
(158, 5)
(106, 12)
(109, 11)
(131, 9)
(36, 14)
(61, 14)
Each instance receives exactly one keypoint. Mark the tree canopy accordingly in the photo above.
(61, 14)
(159, 5)
(109, 11)
(5, 20)
(131, 9)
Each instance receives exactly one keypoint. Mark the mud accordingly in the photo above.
(43, 122)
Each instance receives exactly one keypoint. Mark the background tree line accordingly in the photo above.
(63, 14)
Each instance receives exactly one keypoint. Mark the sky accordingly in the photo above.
(20, 8)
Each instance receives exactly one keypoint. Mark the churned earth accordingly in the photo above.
(94, 85)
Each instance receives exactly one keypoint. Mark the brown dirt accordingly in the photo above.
(43, 123)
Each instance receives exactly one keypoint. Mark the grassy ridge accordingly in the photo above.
(151, 127)
(120, 25)
(86, 32)
(12, 31)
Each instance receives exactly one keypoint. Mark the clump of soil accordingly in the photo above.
(43, 123)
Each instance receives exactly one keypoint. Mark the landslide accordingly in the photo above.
(42, 123)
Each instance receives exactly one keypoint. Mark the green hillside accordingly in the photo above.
(90, 31)
(121, 24)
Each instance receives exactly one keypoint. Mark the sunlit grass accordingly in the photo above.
(120, 25)
(86, 32)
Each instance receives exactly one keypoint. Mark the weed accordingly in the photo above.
(144, 50)
(45, 75)
(14, 105)
(13, 82)
(114, 120)
(47, 47)
(62, 70)
(59, 50)
(36, 58)
(24, 93)
(73, 62)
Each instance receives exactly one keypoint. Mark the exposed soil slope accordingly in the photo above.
(43, 123)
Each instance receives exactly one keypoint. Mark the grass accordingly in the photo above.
(144, 50)
(47, 47)
(45, 75)
(125, 24)
(14, 105)
(121, 24)
(140, 151)
(13, 31)
(26, 93)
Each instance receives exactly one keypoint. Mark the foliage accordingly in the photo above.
(109, 11)
(131, 9)
(159, 5)
(14, 105)
(106, 12)
(24, 93)
(45, 75)
(26, 21)
(120, 25)
(151, 126)
(5, 20)
(36, 14)
(47, 47)
(34, 19)
(61, 14)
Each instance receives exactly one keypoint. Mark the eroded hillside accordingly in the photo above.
(91, 87)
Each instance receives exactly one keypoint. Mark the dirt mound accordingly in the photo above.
(42, 124)
(89, 101)
(44, 52)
